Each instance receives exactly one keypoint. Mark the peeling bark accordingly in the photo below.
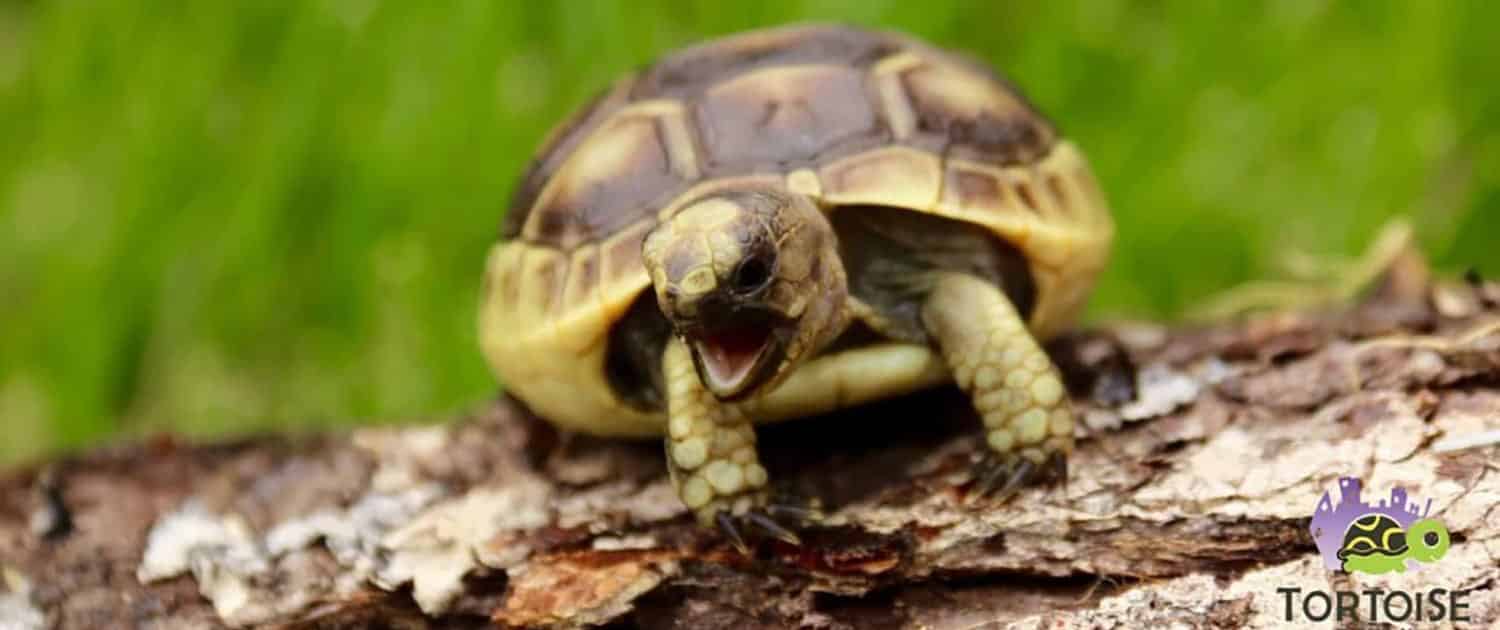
(1206, 450)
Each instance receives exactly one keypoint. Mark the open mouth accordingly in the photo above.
(732, 360)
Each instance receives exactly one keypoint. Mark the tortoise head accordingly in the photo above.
(751, 280)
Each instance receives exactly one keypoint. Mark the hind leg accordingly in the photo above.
(1016, 389)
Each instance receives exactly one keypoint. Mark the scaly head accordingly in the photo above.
(751, 280)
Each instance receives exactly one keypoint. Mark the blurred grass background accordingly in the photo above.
(218, 217)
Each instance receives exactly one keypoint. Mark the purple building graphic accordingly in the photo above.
(1329, 523)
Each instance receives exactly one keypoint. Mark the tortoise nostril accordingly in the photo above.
(752, 274)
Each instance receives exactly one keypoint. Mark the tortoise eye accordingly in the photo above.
(752, 274)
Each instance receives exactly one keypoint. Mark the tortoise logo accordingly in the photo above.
(1391, 536)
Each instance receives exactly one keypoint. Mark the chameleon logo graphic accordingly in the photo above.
(1391, 536)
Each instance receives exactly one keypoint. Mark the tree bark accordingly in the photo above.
(1188, 503)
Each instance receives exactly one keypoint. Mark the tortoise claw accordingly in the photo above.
(1057, 468)
(772, 528)
(732, 532)
(999, 476)
(987, 474)
(758, 523)
(1020, 474)
(791, 512)
(795, 507)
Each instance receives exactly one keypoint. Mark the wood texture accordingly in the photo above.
(1188, 503)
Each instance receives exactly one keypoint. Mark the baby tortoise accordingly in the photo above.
(785, 222)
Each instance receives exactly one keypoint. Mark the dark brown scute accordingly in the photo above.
(1006, 130)
(973, 190)
(1013, 140)
(550, 275)
(690, 71)
(583, 279)
(984, 70)
(590, 206)
(556, 148)
(1028, 198)
(788, 119)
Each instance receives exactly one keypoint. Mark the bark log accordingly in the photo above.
(1206, 450)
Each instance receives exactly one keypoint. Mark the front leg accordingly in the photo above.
(1015, 387)
(711, 455)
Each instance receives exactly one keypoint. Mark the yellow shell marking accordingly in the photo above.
(893, 99)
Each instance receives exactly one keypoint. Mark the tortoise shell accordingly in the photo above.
(1373, 534)
(844, 115)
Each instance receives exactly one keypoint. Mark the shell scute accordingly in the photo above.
(893, 176)
(621, 271)
(543, 272)
(973, 188)
(689, 71)
(617, 177)
(556, 147)
(972, 116)
(582, 289)
(784, 116)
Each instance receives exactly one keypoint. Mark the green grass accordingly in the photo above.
(218, 217)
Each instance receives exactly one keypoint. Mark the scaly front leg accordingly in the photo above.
(1016, 389)
(711, 456)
